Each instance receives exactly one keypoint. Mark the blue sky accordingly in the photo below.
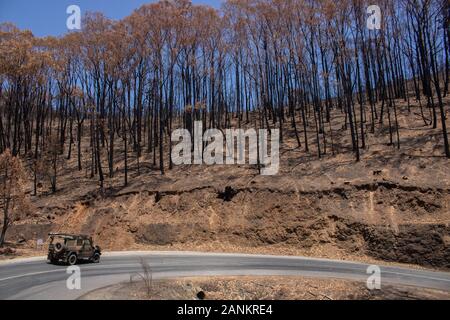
(48, 17)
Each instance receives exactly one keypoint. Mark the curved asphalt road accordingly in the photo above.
(35, 279)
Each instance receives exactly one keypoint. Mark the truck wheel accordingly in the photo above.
(72, 259)
(58, 247)
(96, 258)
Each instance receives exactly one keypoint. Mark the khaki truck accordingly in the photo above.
(71, 249)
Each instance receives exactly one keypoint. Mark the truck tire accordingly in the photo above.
(58, 247)
(96, 258)
(72, 259)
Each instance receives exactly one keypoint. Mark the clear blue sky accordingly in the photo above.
(48, 17)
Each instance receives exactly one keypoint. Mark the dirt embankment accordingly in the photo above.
(373, 220)
(381, 220)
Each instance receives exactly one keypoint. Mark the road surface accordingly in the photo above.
(33, 278)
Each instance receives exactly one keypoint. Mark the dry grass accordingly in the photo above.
(259, 288)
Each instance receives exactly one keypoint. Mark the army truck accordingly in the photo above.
(71, 249)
